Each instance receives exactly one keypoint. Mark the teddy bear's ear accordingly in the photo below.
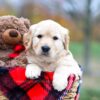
(26, 22)
(27, 38)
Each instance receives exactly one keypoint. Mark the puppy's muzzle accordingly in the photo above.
(45, 49)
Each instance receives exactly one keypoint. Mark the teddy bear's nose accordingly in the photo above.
(11, 36)
(13, 33)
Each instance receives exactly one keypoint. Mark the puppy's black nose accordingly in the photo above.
(45, 49)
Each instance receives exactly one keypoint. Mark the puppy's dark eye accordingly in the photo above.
(39, 36)
(55, 38)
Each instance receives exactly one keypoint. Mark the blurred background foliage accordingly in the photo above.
(82, 18)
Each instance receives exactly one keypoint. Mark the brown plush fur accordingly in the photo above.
(12, 22)
(21, 25)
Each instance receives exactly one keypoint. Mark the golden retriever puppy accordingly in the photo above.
(47, 50)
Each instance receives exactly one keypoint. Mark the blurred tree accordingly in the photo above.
(26, 9)
(5, 8)
(87, 36)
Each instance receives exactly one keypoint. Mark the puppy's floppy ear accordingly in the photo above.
(27, 38)
(65, 38)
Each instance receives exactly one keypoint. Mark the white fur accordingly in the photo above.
(67, 66)
(32, 71)
(60, 59)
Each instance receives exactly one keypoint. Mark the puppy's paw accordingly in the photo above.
(59, 82)
(32, 71)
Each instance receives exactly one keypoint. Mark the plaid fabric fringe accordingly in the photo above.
(15, 86)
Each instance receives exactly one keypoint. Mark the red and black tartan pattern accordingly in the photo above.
(15, 86)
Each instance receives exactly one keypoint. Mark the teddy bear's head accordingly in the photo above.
(12, 30)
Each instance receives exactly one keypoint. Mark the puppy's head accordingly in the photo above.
(47, 39)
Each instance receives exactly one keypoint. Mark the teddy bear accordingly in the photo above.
(12, 30)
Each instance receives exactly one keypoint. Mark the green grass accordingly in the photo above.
(90, 94)
(77, 48)
(90, 89)
(95, 49)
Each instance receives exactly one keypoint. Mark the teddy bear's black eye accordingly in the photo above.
(55, 38)
(40, 36)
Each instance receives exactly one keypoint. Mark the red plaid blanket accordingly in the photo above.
(15, 86)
